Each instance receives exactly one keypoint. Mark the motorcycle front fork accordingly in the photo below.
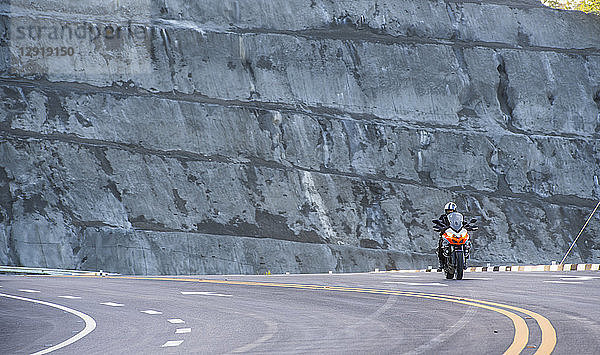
(447, 252)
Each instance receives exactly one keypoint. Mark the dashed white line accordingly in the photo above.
(563, 282)
(112, 304)
(151, 311)
(415, 283)
(579, 278)
(204, 293)
(71, 297)
(271, 330)
(29, 291)
(175, 321)
(90, 323)
(183, 330)
(172, 343)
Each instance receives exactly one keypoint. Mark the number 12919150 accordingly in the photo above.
(46, 51)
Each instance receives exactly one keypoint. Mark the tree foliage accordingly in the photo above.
(590, 6)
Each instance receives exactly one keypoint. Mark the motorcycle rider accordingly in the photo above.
(448, 208)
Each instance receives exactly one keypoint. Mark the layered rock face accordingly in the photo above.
(165, 137)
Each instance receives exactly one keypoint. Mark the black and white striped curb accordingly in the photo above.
(517, 268)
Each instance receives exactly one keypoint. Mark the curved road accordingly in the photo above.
(416, 313)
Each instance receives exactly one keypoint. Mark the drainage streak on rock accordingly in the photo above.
(294, 136)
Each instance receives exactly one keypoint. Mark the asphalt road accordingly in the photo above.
(416, 313)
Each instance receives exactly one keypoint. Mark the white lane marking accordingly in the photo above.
(477, 278)
(112, 304)
(270, 332)
(151, 311)
(90, 323)
(563, 282)
(445, 336)
(579, 278)
(204, 293)
(403, 276)
(571, 279)
(415, 283)
(183, 330)
(175, 321)
(389, 303)
(172, 343)
(565, 277)
(71, 297)
(29, 291)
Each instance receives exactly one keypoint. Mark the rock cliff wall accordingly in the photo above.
(170, 137)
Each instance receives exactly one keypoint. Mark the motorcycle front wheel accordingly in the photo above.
(460, 263)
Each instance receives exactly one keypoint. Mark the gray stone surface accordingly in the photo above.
(300, 136)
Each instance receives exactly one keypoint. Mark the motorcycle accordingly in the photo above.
(456, 243)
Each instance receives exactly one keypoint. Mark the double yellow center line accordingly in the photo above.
(521, 336)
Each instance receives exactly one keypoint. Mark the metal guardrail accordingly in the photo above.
(48, 271)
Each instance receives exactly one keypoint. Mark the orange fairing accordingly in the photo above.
(456, 238)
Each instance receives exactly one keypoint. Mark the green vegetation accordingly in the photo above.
(590, 6)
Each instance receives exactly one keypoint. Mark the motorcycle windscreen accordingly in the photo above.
(456, 221)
